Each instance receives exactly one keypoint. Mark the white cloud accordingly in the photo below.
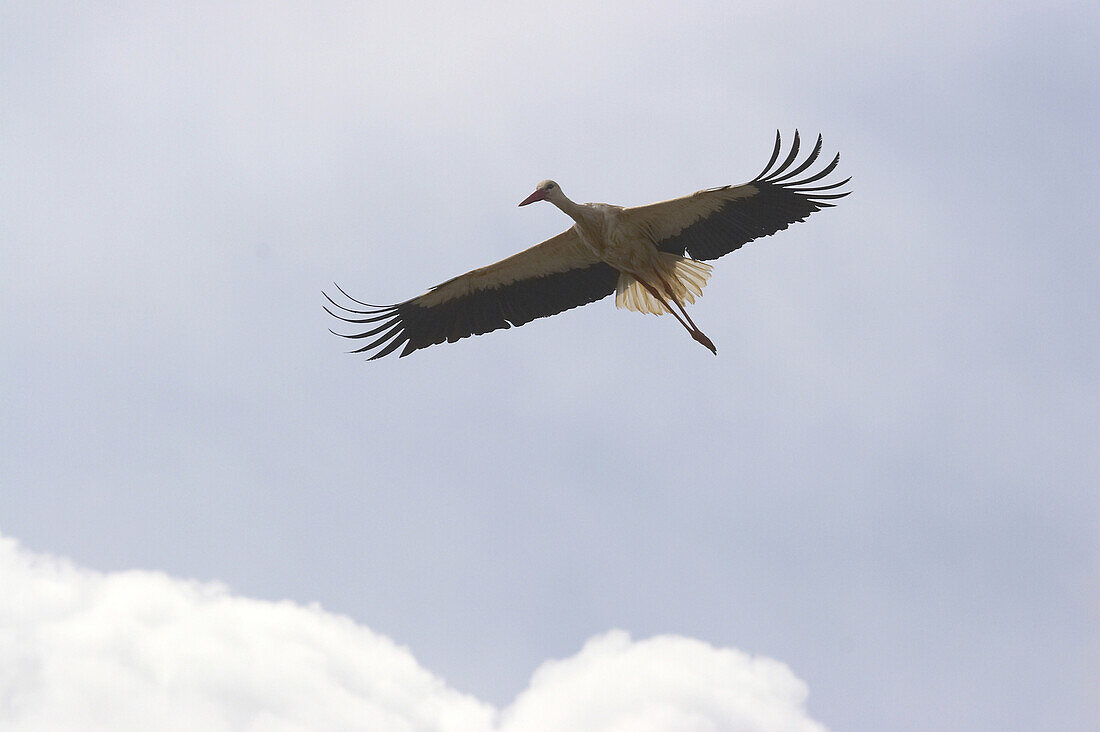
(664, 683)
(141, 650)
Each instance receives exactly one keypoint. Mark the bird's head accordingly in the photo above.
(547, 190)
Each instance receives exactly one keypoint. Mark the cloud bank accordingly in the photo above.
(140, 650)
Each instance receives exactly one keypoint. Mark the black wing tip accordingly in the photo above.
(788, 190)
(360, 302)
(389, 319)
(795, 178)
(394, 326)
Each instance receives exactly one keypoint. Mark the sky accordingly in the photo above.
(875, 509)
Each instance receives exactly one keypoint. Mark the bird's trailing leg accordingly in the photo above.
(692, 329)
(672, 297)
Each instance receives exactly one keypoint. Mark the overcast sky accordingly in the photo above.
(876, 509)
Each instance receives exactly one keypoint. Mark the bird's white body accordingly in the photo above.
(604, 232)
(614, 237)
(649, 256)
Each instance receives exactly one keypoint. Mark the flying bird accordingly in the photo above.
(652, 257)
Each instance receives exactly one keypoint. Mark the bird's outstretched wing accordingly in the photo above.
(714, 222)
(546, 279)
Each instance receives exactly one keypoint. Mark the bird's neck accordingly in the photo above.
(574, 211)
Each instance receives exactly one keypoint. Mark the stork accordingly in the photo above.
(651, 257)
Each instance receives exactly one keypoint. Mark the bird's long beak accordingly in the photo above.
(538, 195)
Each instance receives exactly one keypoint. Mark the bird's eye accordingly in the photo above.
(549, 186)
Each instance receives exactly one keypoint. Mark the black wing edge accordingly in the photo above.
(414, 327)
(785, 195)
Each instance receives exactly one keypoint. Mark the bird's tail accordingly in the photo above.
(685, 277)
